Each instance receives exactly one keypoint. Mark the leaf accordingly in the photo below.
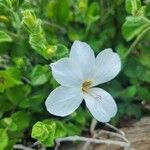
(144, 94)
(21, 119)
(18, 94)
(93, 13)
(134, 110)
(37, 38)
(7, 81)
(128, 93)
(62, 15)
(4, 37)
(29, 19)
(136, 72)
(9, 124)
(72, 129)
(145, 76)
(115, 88)
(132, 6)
(79, 116)
(20, 62)
(60, 130)
(147, 10)
(133, 26)
(76, 33)
(121, 50)
(44, 132)
(60, 52)
(3, 139)
(40, 75)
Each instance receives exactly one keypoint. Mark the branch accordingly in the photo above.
(92, 140)
(116, 129)
(21, 147)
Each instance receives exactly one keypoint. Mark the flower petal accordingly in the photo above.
(63, 101)
(101, 104)
(82, 54)
(67, 73)
(107, 66)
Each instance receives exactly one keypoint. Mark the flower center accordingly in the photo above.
(86, 86)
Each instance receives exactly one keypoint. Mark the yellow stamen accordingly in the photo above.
(86, 86)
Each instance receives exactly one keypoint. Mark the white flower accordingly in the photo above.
(78, 75)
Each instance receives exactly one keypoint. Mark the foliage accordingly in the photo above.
(35, 33)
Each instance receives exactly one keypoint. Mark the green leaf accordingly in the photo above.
(147, 10)
(132, 6)
(134, 110)
(18, 94)
(60, 52)
(7, 80)
(143, 58)
(93, 13)
(76, 33)
(61, 16)
(40, 75)
(134, 26)
(136, 72)
(63, 13)
(44, 132)
(121, 50)
(3, 139)
(21, 119)
(72, 129)
(4, 37)
(20, 62)
(145, 76)
(9, 124)
(60, 129)
(37, 37)
(29, 19)
(144, 94)
(79, 116)
(129, 93)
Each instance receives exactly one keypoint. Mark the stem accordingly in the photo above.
(92, 128)
(92, 140)
(87, 29)
(21, 147)
(112, 134)
(45, 22)
(136, 41)
(116, 129)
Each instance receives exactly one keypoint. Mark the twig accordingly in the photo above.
(92, 128)
(21, 147)
(112, 134)
(119, 133)
(25, 79)
(93, 125)
(116, 129)
(54, 25)
(92, 140)
(38, 144)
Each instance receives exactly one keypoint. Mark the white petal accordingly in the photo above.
(82, 54)
(67, 73)
(101, 104)
(107, 66)
(63, 101)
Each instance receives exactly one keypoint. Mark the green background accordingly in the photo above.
(35, 33)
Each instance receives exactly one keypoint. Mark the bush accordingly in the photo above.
(35, 33)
